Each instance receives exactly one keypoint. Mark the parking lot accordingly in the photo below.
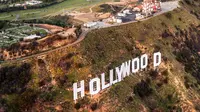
(131, 17)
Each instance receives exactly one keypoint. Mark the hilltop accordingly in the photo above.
(45, 84)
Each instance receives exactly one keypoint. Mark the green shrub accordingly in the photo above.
(13, 79)
(168, 15)
(94, 106)
(48, 96)
(77, 106)
(143, 89)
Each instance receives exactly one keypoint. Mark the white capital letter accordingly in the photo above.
(144, 61)
(135, 65)
(97, 88)
(119, 72)
(156, 59)
(127, 68)
(112, 81)
(103, 81)
(76, 90)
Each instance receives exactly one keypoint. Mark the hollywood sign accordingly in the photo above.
(115, 75)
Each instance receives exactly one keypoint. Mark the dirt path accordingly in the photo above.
(91, 9)
(185, 103)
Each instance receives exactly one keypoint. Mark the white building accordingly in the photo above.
(127, 11)
(121, 14)
(139, 16)
(115, 20)
(33, 2)
(31, 37)
(90, 24)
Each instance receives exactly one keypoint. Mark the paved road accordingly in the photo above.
(166, 7)
(169, 6)
(81, 37)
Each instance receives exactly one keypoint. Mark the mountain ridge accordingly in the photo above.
(174, 86)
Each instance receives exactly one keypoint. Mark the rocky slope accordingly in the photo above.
(45, 84)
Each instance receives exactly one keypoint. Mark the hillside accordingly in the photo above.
(47, 9)
(45, 84)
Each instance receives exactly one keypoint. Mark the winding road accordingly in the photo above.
(81, 37)
(166, 7)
